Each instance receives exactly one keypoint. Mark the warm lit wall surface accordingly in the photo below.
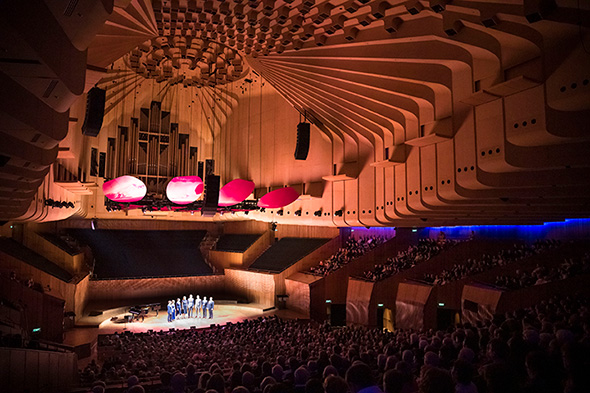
(430, 111)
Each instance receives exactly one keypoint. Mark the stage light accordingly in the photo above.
(280, 212)
(414, 230)
(298, 213)
(93, 224)
(328, 301)
(339, 213)
(380, 305)
(441, 304)
(318, 213)
(49, 202)
(262, 210)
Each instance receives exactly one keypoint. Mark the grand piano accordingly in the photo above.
(141, 311)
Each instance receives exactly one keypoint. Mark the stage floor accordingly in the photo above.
(222, 314)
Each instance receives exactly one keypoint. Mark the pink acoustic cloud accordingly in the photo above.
(278, 198)
(183, 190)
(235, 192)
(124, 189)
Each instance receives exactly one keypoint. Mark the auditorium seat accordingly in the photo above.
(139, 254)
(286, 252)
(235, 242)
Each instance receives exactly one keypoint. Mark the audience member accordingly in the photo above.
(354, 248)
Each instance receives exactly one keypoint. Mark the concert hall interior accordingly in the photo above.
(372, 196)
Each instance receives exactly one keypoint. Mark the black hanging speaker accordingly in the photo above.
(302, 147)
(95, 101)
(211, 197)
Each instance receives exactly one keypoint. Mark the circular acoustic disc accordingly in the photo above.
(278, 198)
(124, 189)
(183, 190)
(235, 192)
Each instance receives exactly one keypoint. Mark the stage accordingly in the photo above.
(222, 314)
(112, 320)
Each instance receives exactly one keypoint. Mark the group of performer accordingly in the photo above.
(189, 308)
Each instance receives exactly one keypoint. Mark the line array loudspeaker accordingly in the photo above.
(95, 101)
(303, 134)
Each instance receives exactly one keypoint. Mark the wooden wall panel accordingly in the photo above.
(306, 231)
(298, 289)
(486, 298)
(59, 289)
(410, 305)
(142, 224)
(245, 227)
(27, 370)
(81, 297)
(255, 287)
(223, 260)
(358, 298)
(145, 289)
(71, 263)
(256, 249)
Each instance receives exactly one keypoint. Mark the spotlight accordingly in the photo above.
(298, 213)
(339, 213)
(318, 213)
(94, 224)
(280, 212)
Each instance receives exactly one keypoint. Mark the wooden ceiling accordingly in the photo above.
(437, 112)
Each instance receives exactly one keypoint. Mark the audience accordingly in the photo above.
(486, 262)
(543, 275)
(545, 348)
(426, 249)
(354, 248)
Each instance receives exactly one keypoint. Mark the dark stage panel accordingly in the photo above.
(235, 243)
(286, 252)
(140, 254)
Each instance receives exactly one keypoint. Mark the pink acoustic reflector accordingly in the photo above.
(278, 198)
(124, 189)
(235, 192)
(184, 189)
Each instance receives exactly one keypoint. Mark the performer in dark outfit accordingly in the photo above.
(184, 307)
(198, 304)
(204, 306)
(178, 308)
(191, 306)
(169, 312)
(210, 307)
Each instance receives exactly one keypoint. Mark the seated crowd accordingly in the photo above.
(353, 248)
(487, 262)
(543, 274)
(541, 349)
(426, 249)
